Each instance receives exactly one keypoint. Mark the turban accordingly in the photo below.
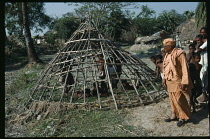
(169, 41)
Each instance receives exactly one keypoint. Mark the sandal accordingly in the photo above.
(180, 123)
(169, 119)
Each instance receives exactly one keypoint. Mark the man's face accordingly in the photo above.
(191, 49)
(199, 41)
(167, 48)
(158, 59)
(153, 60)
(100, 57)
(203, 32)
(197, 59)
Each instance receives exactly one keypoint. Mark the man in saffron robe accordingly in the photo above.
(177, 81)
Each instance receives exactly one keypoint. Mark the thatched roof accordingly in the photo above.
(156, 36)
(187, 30)
(162, 34)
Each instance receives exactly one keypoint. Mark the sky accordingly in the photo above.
(57, 9)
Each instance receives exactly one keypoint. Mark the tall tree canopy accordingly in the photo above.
(117, 22)
(189, 14)
(102, 14)
(169, 20)
(145, 21)
(38, 20)
(65, 25)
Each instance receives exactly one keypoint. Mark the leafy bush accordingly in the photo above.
(14, 49)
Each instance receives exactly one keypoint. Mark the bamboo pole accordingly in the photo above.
(84, 44)
(107, 76)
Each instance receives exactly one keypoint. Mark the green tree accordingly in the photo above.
(13, 18)
(117, 22)
(146, 12)
(169, 20)
(189, 14)
(32, 56)
(145, 21)
(100, 13)
(65, 26)
(51, 36)
(38, 20)
(201, 14)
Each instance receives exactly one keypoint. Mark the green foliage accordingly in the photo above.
(117, 22)
(51, 37)
(145, 21)
(107, 16)
(65, 26)
(14, 19)
(189, 14)
(146, 12)
(201, 15)
(13, 49)
(145, 26)
(169, 20)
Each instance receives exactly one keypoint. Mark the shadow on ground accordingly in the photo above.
(200, 114)
(11, 66)
(15, 66)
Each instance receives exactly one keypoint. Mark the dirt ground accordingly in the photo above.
(152, 117)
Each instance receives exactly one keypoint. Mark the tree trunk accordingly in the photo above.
(32, 55)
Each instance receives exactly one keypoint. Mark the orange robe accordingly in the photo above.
(175, 70)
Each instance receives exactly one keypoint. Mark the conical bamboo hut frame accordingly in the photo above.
(78, 57)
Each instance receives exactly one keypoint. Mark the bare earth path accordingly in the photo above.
(151, 118)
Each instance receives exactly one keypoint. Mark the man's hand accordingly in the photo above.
(182, 86)
(164, 83)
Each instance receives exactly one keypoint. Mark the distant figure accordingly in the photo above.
(101, 66)
(194, 68)
(189, 56)
(199, 41)
(126, 85)
(163, 53)
(80, 94)
(202, 49)
(159, 64)
(178, 42)
(153, 59)
(102, 75)
(66, 77)
(94, 90)
(203, 31)
(197, 79)
(112, 72)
